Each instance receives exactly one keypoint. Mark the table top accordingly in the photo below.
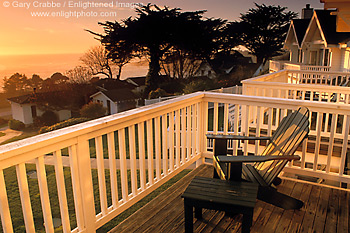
(222, 191)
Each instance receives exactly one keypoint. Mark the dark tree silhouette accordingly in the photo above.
(158, 33)
(16, 84)
(262, 30)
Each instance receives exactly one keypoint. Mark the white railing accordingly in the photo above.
(138, 150)
(323, 154)
(164, 138)
(275, 66)
(301, 85)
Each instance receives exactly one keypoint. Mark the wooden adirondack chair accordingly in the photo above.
(264, 169)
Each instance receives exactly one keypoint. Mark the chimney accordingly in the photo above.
(307, 12)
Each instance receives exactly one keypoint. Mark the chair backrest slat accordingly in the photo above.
(292, 130)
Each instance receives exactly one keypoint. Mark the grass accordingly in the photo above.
(2, 134)
(16, 208)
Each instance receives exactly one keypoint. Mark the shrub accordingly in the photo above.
(46, 119)
(62, 124)
(157, 93)
(16, 125)
(198, 85)
(92, 110)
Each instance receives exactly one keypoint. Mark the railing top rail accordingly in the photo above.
(302, 86)
(324, 107)
(265, 76)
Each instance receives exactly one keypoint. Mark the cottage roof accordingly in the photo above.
(139, 81)
(118, 94)
(55, 99)
(112, 84)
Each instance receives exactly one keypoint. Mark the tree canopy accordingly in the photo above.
(161, 33)
(262, 30)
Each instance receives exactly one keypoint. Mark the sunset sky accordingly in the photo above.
(61, 33)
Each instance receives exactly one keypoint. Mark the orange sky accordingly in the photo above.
(22, 33)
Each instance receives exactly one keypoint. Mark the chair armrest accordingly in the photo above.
(254, 158)
(235, 137)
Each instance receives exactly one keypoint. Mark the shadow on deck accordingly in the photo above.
(325, 210)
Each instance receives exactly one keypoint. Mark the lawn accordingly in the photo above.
(16, 208)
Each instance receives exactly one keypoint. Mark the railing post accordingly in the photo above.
(85, 178)
(202, 114)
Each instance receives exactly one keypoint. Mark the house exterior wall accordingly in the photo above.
(294, 54)
(23, 112)
(100, 98)
(64, 115)
(337, 59)
(17, 112)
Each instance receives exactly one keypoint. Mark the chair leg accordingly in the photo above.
(272, 196)
(277, 181)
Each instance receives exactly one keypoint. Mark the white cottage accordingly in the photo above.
(116, 100)
(26, 108)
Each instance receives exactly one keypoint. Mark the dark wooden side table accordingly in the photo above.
(230, 196)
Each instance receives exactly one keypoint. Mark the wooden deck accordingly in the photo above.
(325, 210)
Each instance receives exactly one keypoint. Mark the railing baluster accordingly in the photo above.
(112, 169)
(142, 154)
(157, 148)
(189, 135)
(344, 151)
(178, 138)
(61, 188)
(73, 161)
(183, 135)
(193, 129)
(150, 150)
(226, 113)
(203, 113)
(44, 193)
(165, 144)
(257, 129)
(215, 118)
(132, 152)
(123, 165)
(331, 142)
(4, 206)
(171, 141)
(318, 139)
(246, 117)
(25, 197)
(101, 175)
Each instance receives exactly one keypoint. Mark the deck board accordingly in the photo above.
(325, 210)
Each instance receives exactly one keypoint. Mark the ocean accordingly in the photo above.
(47, 64)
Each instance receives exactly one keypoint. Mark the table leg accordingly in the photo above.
(247, 222)
(198, 212)
(188, 217)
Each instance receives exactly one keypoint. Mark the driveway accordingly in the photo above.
(9, 133)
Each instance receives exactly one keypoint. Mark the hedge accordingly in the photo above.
(62, 124)
(16, 125)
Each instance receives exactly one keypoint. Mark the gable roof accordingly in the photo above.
(138, 81)
(55, 99)
(300, 26)
(117, 95)
(328, 23)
